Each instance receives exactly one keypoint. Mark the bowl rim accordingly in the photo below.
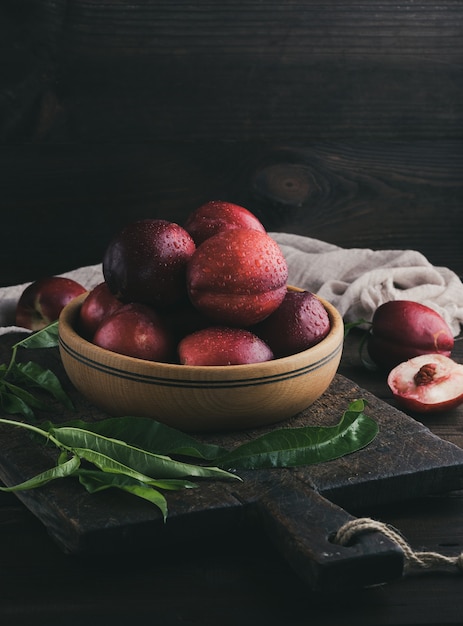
(67, 332)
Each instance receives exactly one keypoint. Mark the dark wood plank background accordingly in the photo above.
(172, 69)
(338, 120)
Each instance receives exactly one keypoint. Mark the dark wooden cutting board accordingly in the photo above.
(299, 508)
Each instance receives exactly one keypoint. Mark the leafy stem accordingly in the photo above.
(17, 378)
(32, 428)
(136, 454)
(348, 326)
(12, 362)
(367, 363)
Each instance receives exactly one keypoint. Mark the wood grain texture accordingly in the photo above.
(232, 577)
(61, 204)
(337, 120)
(300, 508)
(99, 71)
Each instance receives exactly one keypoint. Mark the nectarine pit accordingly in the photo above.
(425, 374)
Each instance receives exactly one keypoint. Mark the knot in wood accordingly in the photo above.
(290, 184)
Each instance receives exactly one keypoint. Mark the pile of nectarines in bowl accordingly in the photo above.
(194, 397)
(197, 328)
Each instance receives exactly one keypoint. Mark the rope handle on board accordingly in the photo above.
(415, 562)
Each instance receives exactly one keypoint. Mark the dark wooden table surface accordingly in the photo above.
(232, 578)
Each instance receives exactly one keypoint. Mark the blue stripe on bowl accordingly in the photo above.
(208, 384)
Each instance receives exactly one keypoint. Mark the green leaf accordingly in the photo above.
(16, 376)
(45, 338)
(110, 479)
(62, 457)
(99, 481)
(34, 375)
(116, 455)
(61, 470)
(290, 447)
(14, 404)
(24, 395)
(152, 436)
(142, 472)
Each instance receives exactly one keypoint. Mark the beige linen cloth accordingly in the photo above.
(355, 280)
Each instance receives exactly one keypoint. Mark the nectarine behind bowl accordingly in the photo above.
(199, 398)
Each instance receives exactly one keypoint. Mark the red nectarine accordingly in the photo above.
(135, 330)
(237, 277)
(402, 329)
(42, 301)
(429, 382)
(223, 346)
(99, 303)
(216, 216)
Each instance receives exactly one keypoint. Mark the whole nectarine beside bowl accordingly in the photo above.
(199, 398)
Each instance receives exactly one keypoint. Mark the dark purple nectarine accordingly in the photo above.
(300, 322)
(146, 262)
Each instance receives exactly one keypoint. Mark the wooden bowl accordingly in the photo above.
(199, 398)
